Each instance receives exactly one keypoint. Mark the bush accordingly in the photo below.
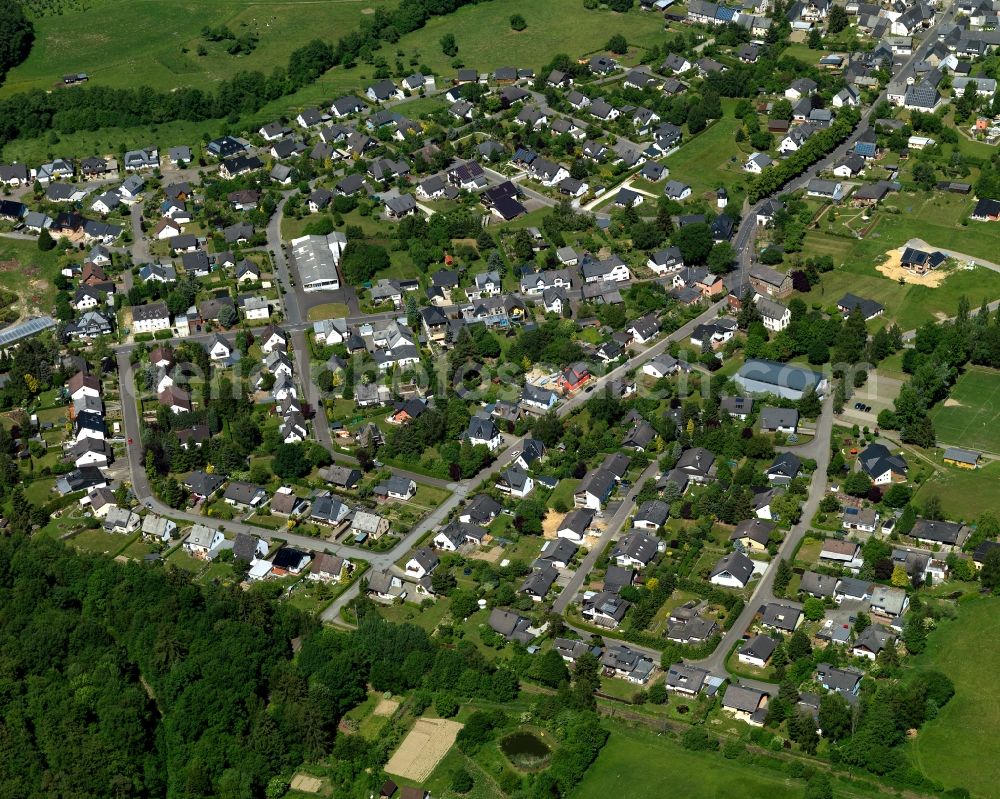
(733, 749)
(697, 739)
(461, 781)
(657, 694)
(446, 705)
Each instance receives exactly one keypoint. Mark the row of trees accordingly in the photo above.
(816, 147)
(940, 352)
(31, 114)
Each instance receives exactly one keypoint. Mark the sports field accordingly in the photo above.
(970, 417)
(958, 747)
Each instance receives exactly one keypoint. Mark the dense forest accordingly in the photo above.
(16, 35)
(130, 681)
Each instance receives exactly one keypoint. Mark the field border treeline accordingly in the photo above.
(33, 113)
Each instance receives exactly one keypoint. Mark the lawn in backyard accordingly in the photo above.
(955, 748)
(126, 44)
(563, 492)
(964, 493)
(99, 542)
(970, 417)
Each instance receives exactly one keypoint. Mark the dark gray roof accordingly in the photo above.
(655, 511)
(781, 617)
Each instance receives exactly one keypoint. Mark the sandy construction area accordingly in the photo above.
(423, 748)
(550, 524)
(892, 270)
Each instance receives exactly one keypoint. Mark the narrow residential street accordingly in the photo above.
(612, 532)
(460, 491)
(763, 593)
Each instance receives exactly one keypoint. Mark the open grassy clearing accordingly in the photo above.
(964, 493)
(937, 219)
(144, 43)
(29, 273)
(970, 416)
(485, 39)
(704, 162)
(908, 306)
(646, 762)
(955, 747)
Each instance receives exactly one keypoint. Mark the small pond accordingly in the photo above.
(525, 749)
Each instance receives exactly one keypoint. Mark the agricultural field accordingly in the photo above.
(127, 44)
(953, 747)
(970, 415)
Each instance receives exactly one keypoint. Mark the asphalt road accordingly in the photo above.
(764, 591)
(743, 241)
(611, 533)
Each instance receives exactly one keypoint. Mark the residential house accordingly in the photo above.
(636, 550)
(605, 609)
(421, 563)
(753, 535)
(244, 496)
(872, 640)
(881, 465)
(732, 571)
(202, 540)
(779, 420)
(576, 524)
(757, 651)
(746, 704)
(784, 468)
(396, 487)
(594, 489)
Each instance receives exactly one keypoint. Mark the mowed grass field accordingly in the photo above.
(704, 161)
(485, 39)
(971, 416)
(125, 43)
(646, 764)
(964, 493)
(958, 747)
(638, 763)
